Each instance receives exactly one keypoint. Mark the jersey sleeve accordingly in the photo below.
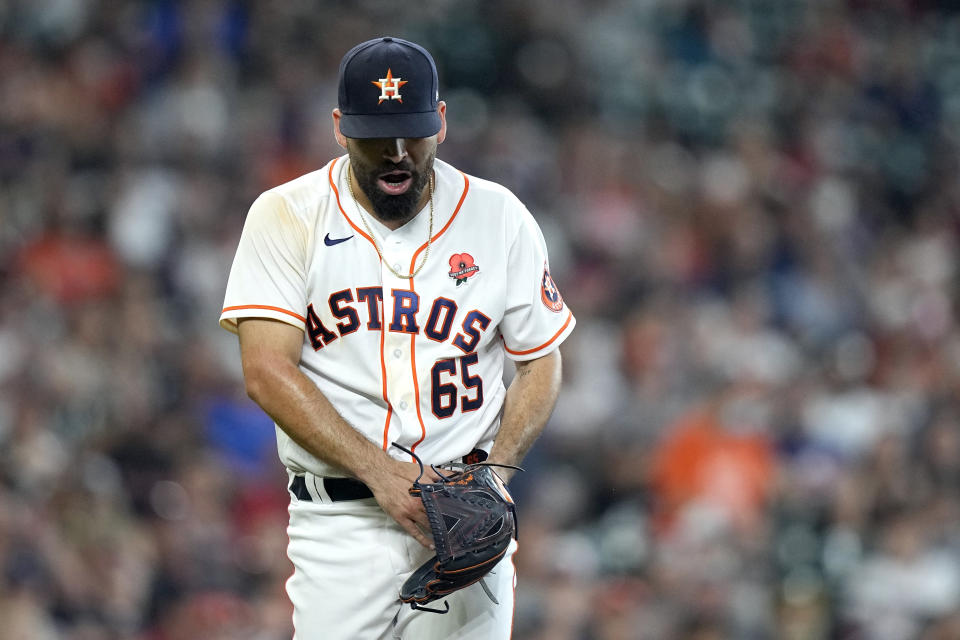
(536, 319)
(268, 277)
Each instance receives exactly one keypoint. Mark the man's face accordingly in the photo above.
(393, 173)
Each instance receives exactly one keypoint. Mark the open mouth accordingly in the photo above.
(395, 182)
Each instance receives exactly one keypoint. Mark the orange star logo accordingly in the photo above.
(390, 87)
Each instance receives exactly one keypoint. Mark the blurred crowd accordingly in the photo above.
(752, 206)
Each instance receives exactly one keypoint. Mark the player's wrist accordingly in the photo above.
(375, 473)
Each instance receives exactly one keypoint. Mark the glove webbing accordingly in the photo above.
(465, 575)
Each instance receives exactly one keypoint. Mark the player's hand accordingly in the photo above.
(391, 488)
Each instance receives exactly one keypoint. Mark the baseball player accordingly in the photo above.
(376, 300)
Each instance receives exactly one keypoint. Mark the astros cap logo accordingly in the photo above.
(407, 106)
(390, 87)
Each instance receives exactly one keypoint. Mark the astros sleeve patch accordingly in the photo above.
(549, 293)
(536, 320)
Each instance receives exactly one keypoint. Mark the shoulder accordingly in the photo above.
(304, 195)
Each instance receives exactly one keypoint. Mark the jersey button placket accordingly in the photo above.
(400, 387)
(397, 360)
(396, 255)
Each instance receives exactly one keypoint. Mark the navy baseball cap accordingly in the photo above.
(388, 89)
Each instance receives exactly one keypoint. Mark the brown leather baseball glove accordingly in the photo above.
(472, 518)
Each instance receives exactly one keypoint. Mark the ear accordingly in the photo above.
(442, 110)
(341, 139)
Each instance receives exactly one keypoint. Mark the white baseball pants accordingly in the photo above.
(350, 559)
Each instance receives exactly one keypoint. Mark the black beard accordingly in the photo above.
(392, 208)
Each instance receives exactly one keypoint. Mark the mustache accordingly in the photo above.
(403, 165)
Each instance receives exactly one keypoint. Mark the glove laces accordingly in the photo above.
(444, 479)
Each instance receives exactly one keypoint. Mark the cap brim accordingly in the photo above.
(394, 125)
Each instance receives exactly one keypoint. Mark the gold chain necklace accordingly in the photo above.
(373, 237)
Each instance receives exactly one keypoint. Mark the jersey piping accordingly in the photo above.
(266, 308)
(383, 364)
(545, 344)
(413, 341)
(336, 194)
(463, 196)
(383, 381)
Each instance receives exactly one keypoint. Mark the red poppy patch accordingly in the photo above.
(549, 293)
(462, 267)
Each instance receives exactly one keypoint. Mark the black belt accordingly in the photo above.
(339, 489)
(342, 489)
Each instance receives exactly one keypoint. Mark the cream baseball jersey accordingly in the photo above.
(418, 361)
